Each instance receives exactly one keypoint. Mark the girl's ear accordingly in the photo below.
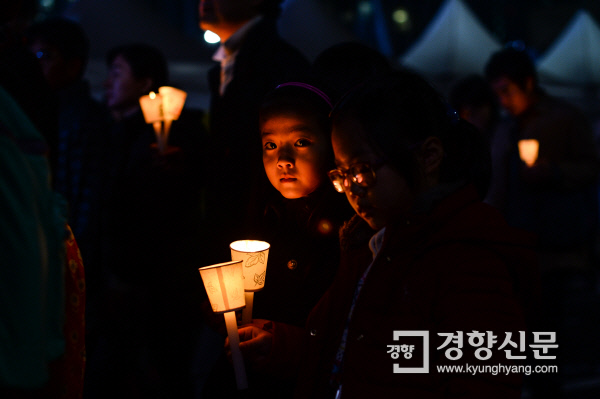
(432, 153)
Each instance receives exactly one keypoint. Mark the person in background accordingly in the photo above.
(32, 238)
(473, 99)
(62, 48)
(22, 77)
(555, 197)
(253, 60)
(42, 304)
(344, 66)
(149, 241)
(423, 252)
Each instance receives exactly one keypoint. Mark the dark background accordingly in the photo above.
(536, 22)
(173, 26)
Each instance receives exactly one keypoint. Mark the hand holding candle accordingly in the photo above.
(255, 343)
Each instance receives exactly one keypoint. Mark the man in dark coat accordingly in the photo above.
(556, 197)
(254, 59)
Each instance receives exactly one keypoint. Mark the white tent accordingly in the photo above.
(453, 45)
(574, 58)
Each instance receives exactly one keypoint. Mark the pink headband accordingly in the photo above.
(309, 87)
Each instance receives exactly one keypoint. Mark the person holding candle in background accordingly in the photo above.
(555, 197)
(422, 253)
(150, 229)
(552, 197)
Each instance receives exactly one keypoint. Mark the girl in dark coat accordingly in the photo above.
(301, 220)
(423, 254)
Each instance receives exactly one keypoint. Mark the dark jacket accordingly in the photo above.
(151, 205)
(556, 198)
(303, 259)
(304, 254)
(458, 267)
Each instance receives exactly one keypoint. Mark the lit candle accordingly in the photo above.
(224, 284)
(161, 109)
(528, 151)
(254, 254)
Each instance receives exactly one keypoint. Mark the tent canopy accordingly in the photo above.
(453, 45)
(574, 58)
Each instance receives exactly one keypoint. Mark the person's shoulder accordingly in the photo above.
(355, 233)
(265, 42)
(559, 107)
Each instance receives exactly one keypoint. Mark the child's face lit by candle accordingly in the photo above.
(295, 153)
(390, 196)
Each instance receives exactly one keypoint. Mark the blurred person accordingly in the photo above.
(32, 253)
(555, 197)
(21, 75)
(35, 327)
(345, 65)
(62, 48)
(150, 232)
(552, 198)
(253, 60)
(474, 100)
(423, 252)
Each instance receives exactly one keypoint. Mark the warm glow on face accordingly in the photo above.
(386, 200)
(512, 97)
(295, 153)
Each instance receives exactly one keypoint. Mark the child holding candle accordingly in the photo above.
(422, 253)
(302, 219)
(302, 216)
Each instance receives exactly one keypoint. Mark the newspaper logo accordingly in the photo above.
(411, 349)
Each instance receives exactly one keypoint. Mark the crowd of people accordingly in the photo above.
(388, 207)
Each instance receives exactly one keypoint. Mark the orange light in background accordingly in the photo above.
(325, 227)
(161, 110)
(528, 151)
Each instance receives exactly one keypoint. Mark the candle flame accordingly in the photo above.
(152, 95)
